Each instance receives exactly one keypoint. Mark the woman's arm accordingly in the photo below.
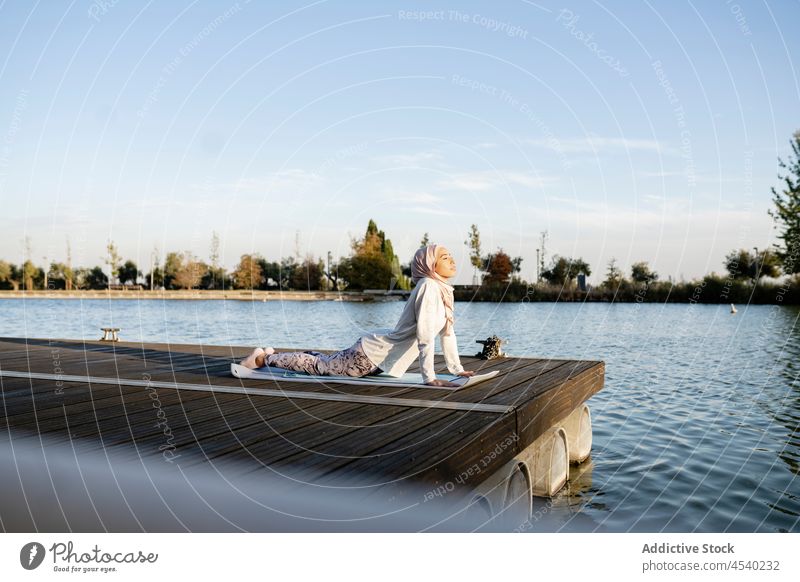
(450, 349)
(426, 308)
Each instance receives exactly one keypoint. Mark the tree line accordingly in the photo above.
(372, 264)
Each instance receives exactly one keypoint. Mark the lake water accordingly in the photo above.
(695, 430)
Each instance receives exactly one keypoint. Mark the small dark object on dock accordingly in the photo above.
(491, 348)
(109, 334)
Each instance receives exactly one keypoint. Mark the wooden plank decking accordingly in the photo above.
(326, 433)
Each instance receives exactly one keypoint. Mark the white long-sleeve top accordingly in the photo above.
(423, 318)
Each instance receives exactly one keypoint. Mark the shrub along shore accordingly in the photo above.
(711, 289)
(194, 294)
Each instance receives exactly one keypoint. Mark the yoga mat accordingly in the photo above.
(409, 380)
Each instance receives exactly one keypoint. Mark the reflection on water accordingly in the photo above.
(696, 429)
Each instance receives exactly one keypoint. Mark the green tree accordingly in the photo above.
(94, 278)
(16, 277)
(365, 272)
(156, 276)
(742, 264)
(564, 270)
(247, 274)
(69, 275)
(473, 243)
(373, 243)
(8, 276)
(129, 273)
(425, 241)
(219, 277)
(767, 264)
(373, 263)
(190, 273)
(641, 273)
(57, 276)
(112, 259)
(613, 275)
(271, 270)
(29, 273)
(498, 267)
(386, 248)
(172, 264)
(214, 278)
(288, 265)
(307, 275)
(786, 214)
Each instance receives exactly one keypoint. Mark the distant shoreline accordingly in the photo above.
(193, 295)
(375, 296)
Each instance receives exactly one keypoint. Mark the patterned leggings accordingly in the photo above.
(350, 362)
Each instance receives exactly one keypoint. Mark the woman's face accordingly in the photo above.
(445, 263)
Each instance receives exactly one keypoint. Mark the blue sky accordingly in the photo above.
(640, 131)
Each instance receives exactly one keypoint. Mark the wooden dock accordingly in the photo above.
(180, 402)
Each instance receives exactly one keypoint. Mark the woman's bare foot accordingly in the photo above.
(254, 360)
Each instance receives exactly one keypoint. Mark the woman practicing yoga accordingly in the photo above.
(428, 313)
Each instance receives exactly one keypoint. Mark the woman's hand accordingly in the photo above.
(442, 383)
(446, 384)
